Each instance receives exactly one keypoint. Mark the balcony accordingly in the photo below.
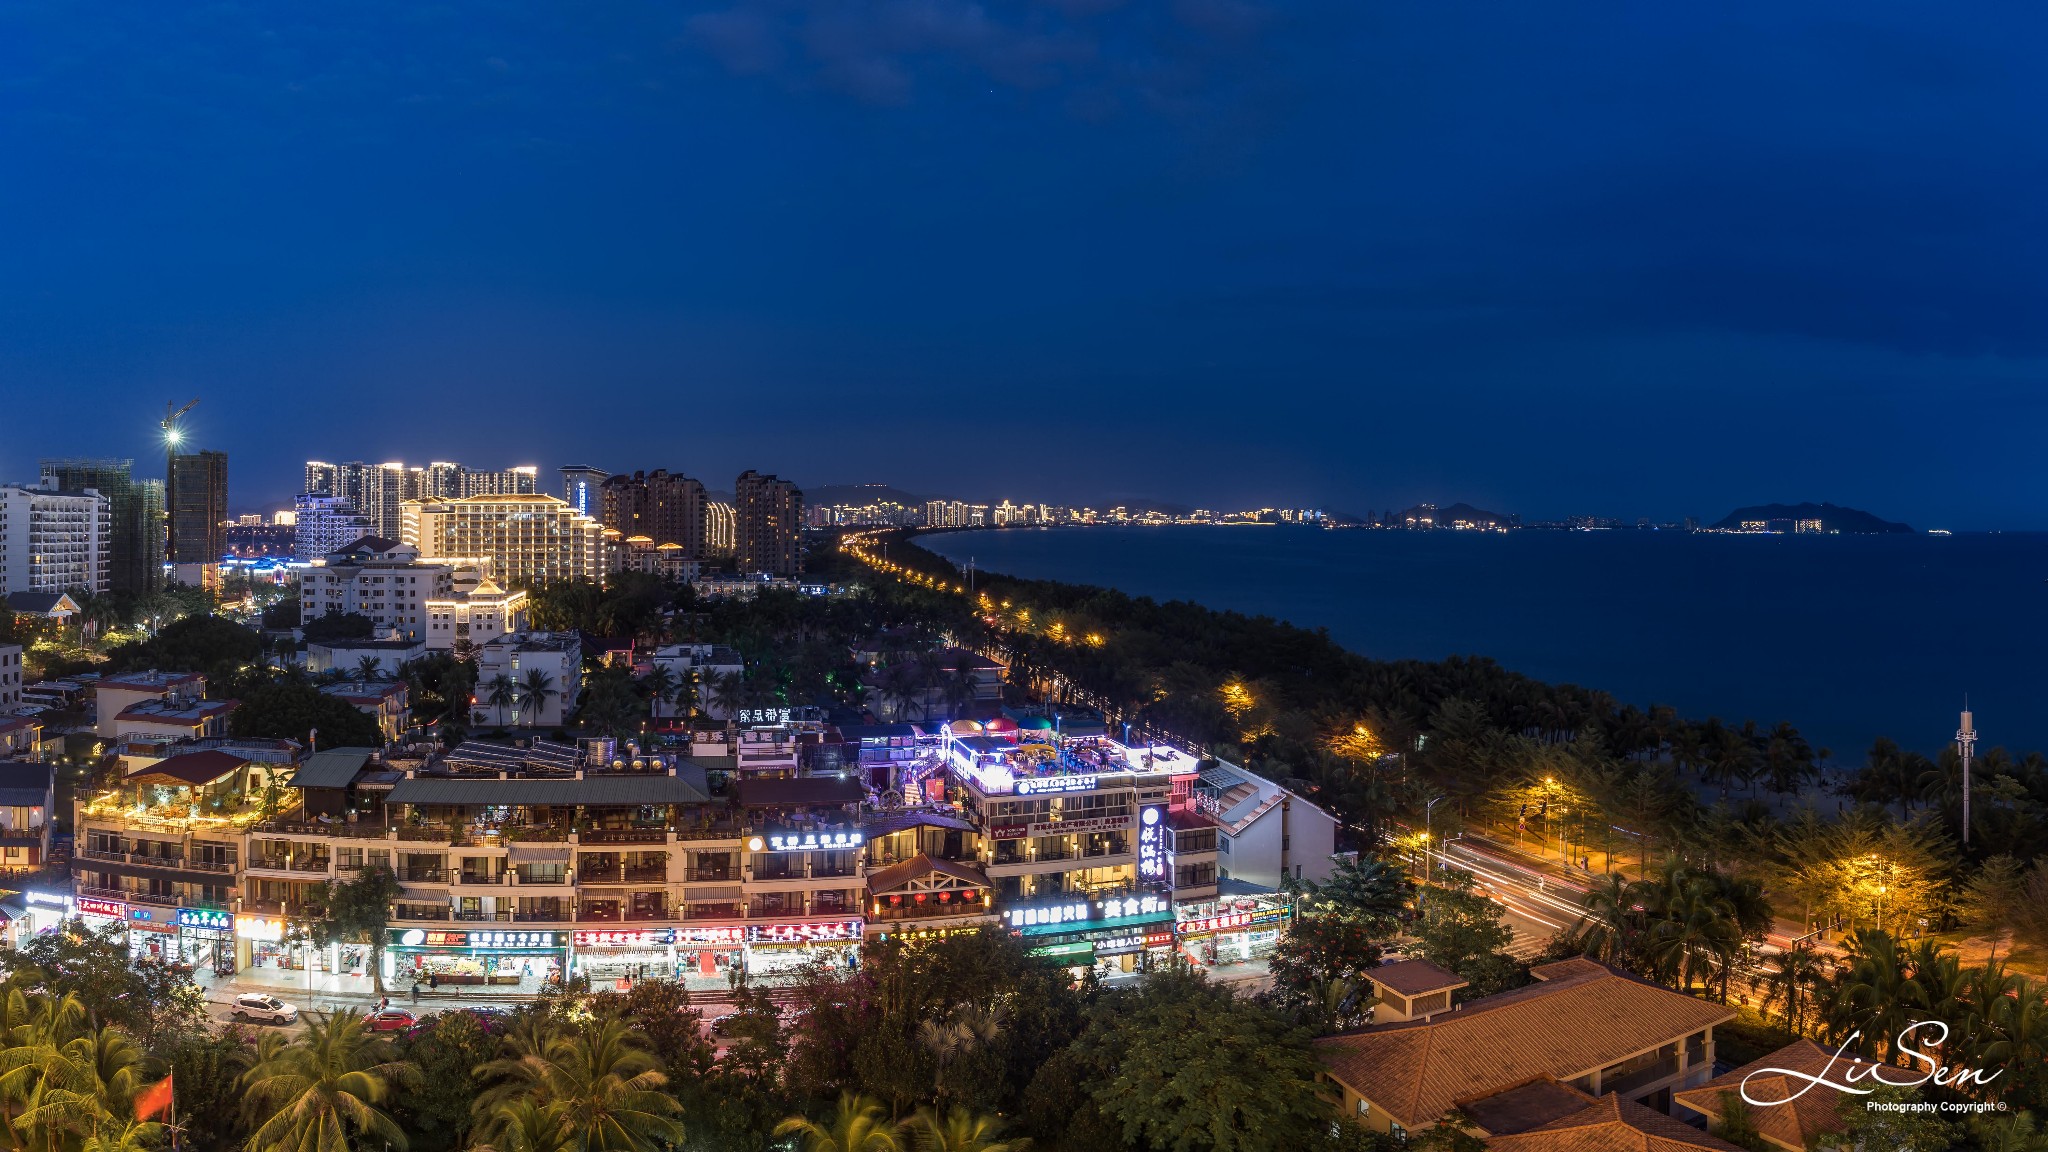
(623, 874)
(423, 876)
(1643, 1076)
(537, 833)
(143, 860)
(435, 833)
(712, 875)
(706, 832)
(623, 836)
(592, 914)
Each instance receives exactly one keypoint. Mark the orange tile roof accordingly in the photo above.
(1612, 1124)
(1580, 1016)
(1414, 977)
(1803, 1116)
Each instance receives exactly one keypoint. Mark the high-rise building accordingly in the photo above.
(768, 524)
(52, 540)
(718, 528)
(527, 538)
(196, 500)
(135, 552)
(665, 507)
(376, 490)
(580, 489)
(324, 524)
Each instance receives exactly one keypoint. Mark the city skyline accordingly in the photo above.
(1230, 234)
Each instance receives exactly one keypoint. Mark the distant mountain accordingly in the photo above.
(1431, 516)
(1833, 519)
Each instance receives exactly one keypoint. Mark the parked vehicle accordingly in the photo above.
(257, 1008)
(391, 1020)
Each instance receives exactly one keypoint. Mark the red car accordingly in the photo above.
(392, 1020)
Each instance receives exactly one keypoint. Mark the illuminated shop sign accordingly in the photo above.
(1039, 785)
(803, 841)
(1058, 827)
(262, 928)
(421, 938)
(50, 898)
(1081, 913)
(1121, 942)
(637, 939)
(1227, 923)
(732, 935)
(1081, 948)
(764, 715)
(94, 907)
(802, 933)
(213, 920)
(1151, 843)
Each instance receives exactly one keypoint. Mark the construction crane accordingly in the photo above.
(172, 414)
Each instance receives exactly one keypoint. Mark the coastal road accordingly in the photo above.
(1537, 902)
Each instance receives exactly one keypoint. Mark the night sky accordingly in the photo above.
(1626, 259)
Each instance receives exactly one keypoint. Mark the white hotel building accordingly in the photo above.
(52, 540)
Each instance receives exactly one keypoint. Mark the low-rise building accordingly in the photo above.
(1786, 1113)
(384, 701)
(28, 796)
(1265, 834)
(20, 737)
(1581, 1024)
(699, 671)
(378, 578)
(474, 612)
(114, 695)
(10, 677)
(349, 656)
(532, 679)
(172, 719)
(804, 876)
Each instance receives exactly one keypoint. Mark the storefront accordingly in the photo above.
(206, 939)
(710, 952)
(1112, 936)
(514, 960)
(1231, 929)
(632, 954)
(41, 911)
(260, 943)
(773, 948)
(103, 916)
(153, 934)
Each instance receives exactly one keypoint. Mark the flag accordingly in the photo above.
(154, 1100)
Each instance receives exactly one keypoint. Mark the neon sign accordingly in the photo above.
(808, 841)
(102, 907)
(802, 933)
(1039, 785)
(1151, 843)
(623, 939)
(1215, 923)
(210, 919)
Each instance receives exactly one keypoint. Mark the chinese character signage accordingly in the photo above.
(1082, 913)
(811, 841)
(261, 928)
(102, 907)
(213, 920)
(1151, 843)
(732, 935)
(1224, 923)
(1039, 785)
(624, 939)
(764, 715)
(498, 939)
(802, 933)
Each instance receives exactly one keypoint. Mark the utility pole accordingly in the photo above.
(1966, 739)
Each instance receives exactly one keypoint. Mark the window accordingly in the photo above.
(1364, 1106)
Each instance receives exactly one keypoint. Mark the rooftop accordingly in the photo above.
(538, 642)
(1524, 1106)
(769, 793)
(40, 603)
(192, 711)
(1611, 1124)
(151, 679)
(1578, 1016)
(1803, 1117)
(1415, 977)
(190, 770)
(594, 791)
(25, 785)
(332, 768)
(372, 691)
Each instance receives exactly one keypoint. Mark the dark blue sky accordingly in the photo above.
(1554, 258)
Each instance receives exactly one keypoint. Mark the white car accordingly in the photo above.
(268, 1009)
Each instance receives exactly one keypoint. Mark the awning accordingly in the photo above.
(537, 850)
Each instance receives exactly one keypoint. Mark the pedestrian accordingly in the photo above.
(415, 991)
(434, 981)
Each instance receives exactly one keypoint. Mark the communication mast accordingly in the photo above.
(1966, 739)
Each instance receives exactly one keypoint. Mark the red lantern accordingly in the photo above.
(895, 898)
(920, 897)
(945, 896)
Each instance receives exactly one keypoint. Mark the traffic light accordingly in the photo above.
(1525, 812)
(1544, 811)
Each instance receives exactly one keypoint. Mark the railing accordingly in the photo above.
(143, 860)
(556, 916)
(832, 871)
(780, 871)
(636, 874)
(1650, 1073)
(929, 911)
(423, 876)
(475, 880)
(712, 832)
(626, 916)
(348, 828)
(623, 836)
(709, 875)
(438, 832)
(315, 865)
(540, 833)
(533, 878)
(426, 914)
(483, 917)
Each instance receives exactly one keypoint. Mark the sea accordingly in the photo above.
(1847, 637)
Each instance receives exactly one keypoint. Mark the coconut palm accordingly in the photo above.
(857, 1125)
(369, 668)
(659, 684)
(1875, 995)
(600, 1079)
(1610, 927)
(1795, 979)
(534, 692)
(960, 1131)
(322, 1092)
(501, 693)
(968, 1030)
(524, 1124)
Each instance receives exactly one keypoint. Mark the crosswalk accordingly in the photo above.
(1528, 946)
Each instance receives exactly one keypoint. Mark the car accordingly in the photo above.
(258, 1008)
(722, 1025)
(391, 1020)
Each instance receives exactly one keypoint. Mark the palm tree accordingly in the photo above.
(322, 1091)
(970, 1028)
(1875, 995)
(660, 684)
(526, 1125)
(1792, 984)
(369, 668)
(501, 693)
(1610, 927)
(601, 1080)
(856, 1126)
(960, 1131)
(534, 692)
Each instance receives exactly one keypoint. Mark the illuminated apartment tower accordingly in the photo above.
(528, 538)
(135, 544)
(376, 490)
(580, 487)
(768, 524)
(718, 528)
(665, 507)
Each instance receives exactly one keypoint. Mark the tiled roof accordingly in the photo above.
(883, 823)
(897, 875)
(1414, 977)
(1581, 1016)
(1612, 1124)
(1804, 1116)
(189, 770)
(165, 710)
(332, 768)
(1523, 1107)
(767, 793)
